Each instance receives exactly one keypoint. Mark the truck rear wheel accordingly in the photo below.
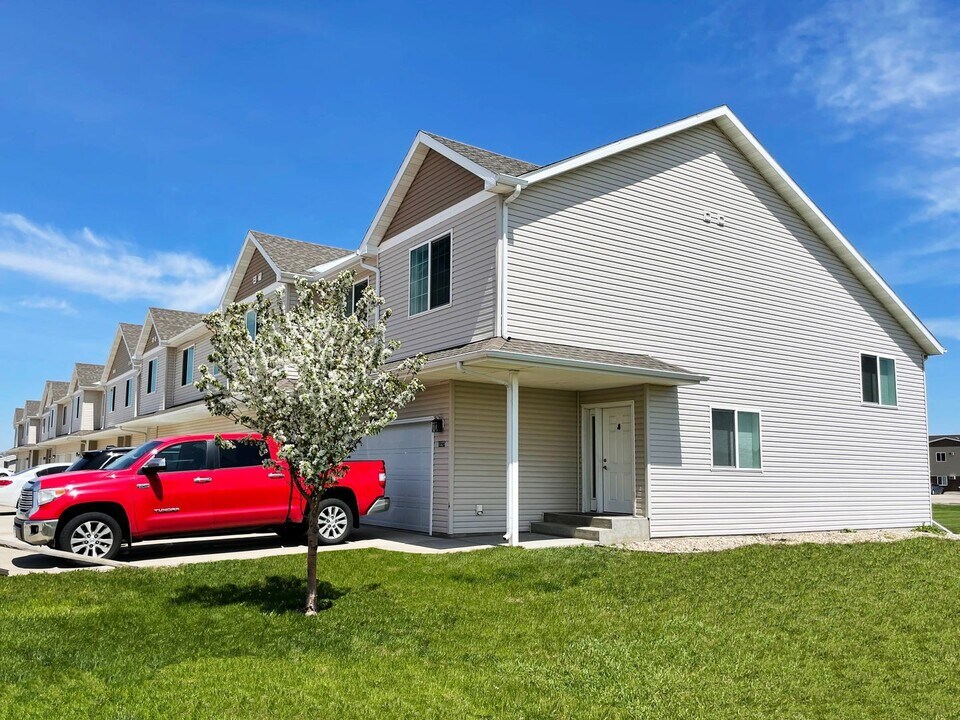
(93, 535)
(335, 521)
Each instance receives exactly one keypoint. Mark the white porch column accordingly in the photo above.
(513, 459)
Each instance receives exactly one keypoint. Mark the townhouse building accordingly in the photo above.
(664, 329)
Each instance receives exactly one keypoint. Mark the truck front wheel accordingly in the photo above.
(335, 521)
(93, 535)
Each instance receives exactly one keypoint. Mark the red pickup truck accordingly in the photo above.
(187, 485)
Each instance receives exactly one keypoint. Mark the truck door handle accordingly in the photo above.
(200, 480)
(275, 475)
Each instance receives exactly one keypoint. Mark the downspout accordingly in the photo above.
(375, 269)
(503, 265)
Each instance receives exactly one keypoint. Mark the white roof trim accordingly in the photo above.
(404, 177)
(335, 265)
(731, 126)
(240, 267)
(142, 340)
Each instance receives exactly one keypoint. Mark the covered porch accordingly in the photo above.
(545, 429)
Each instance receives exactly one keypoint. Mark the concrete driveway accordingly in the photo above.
(18, 559)
(948, 498)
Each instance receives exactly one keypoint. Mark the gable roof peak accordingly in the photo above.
(494, 162)
(295, 256)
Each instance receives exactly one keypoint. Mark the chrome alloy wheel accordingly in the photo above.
(91, 539)
(333, 522)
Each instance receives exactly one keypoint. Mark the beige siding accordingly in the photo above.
(470, 314)
(249, 284)
(152, 402)
(121, 414)
(634, 394)
(760, 305)
(548, 455)
(439, 184)
(202, 426)
(188, 393)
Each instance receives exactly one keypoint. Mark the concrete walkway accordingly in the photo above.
(18, 559)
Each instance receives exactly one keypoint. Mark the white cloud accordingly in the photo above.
(862, 57)
(945, 327)
(61, 306)
(86, 262)
(892, 65)
(933, 263)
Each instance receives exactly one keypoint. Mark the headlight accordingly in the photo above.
(45, 496)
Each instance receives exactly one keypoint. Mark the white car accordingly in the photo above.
(10, 487)
(5, 472)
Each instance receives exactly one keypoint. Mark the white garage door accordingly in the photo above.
(407, 449)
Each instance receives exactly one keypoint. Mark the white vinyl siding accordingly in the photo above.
(470, 314)
(761, 306)
(549, 477)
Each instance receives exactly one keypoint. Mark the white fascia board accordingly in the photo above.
(371, 238)
(337, 265)
(620, 146)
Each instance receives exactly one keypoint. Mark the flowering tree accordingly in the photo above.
(312, 378)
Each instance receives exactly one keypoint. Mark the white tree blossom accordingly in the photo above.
(313, 378)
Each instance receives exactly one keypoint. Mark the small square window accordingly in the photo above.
(878, 380)
(736, 439)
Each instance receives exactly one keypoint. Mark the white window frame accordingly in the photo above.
(736, 409)
(942, 481)
(429, 243)
(940, 456)
(896, 379)
(151, 376)
(184, 382)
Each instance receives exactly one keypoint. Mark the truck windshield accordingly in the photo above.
(122, 463)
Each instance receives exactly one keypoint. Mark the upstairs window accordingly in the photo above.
(151, 376)
(878, 380)
(128, 393)
(736, 439)
(353, 296)
(252, 323)
(113, 398)
(186, 366)
(941, 457)
(76, 407)
(430, 275)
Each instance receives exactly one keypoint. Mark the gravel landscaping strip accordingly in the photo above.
(729, 542)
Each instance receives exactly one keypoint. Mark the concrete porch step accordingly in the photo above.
(604, 529)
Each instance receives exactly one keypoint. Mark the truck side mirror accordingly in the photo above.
(155, 464)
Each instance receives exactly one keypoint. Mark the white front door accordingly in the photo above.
(616, 460)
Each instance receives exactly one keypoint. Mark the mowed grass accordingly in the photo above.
(858, 631)
(948, 516)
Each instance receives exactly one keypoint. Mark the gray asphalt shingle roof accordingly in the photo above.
(296, 256)
(559, 352)
(31, 408)
(131, 334)
(88, 374)
(18, 415)
(490, 160)
(58, 389)
(170, 323)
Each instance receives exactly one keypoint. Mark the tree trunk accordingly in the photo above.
(313, 511)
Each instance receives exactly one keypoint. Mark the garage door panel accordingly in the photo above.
(407, 450)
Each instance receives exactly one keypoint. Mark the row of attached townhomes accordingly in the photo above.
(664, 328)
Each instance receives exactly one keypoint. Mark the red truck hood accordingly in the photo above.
(79, 477)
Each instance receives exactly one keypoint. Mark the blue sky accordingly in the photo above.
(140, 141)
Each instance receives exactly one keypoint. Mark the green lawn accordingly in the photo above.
(948, 516)
(860, 631)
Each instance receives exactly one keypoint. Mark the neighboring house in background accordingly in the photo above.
(85, 411)
(55, 445)
(664, 328)
(120, 380)
(945, 461)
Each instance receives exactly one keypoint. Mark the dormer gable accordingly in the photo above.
(120, 358)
